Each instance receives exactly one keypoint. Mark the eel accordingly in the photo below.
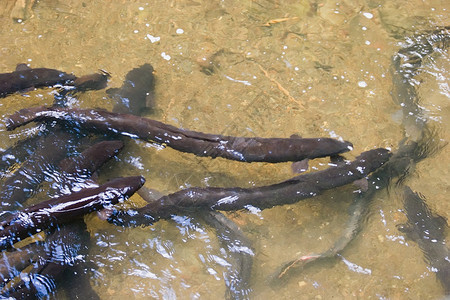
(12, 263)
(51, 149)
(239, 254)
(405, 65)
(18, 153)
(25, 181)
(398, 165)
(242, 149)
(91, 159)
(94, 81)
(65, 251)
(24, 78)
(422, 143)
(304, 186)
(238, 248)
(428, 231)
(286, 192)
(65, 209)
(76, 170)
(136, 95)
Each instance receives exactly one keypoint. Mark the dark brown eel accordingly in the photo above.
(12, 263)
(82, 166)
(25, 181)
(243, 149)
(286, 192)
(25, 78)
(65, 209)
(65, 252)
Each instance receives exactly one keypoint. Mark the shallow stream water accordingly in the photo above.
(248, 68)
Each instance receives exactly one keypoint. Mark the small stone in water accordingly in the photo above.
(362, 84)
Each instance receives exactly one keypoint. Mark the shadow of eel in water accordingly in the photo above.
(239, 254)
(236, 246)
(428, 231)
(422, 143)
(136, 95)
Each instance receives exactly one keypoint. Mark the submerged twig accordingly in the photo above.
(280, 87)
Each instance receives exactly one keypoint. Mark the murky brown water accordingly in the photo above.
(248, 68)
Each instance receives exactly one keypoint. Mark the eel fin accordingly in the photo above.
(362, 184)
